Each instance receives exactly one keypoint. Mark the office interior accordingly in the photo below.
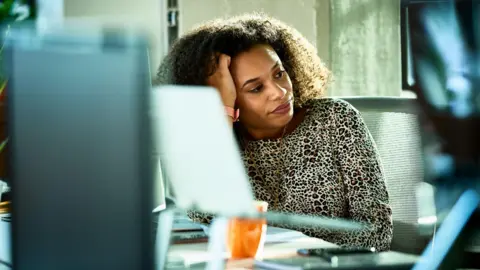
(366, 45)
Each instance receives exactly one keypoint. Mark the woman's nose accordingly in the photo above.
(277, 92)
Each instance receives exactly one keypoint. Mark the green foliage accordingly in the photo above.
(8, 14)
(5, 8)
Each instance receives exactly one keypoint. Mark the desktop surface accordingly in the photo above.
(281, 245)
(383, 260)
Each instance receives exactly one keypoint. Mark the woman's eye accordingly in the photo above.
(256, 89)
(280, 74)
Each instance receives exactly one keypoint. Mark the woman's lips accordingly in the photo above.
(283, 109)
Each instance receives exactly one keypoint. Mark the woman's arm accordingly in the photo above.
(363, 179)
(357, 159)
(198, 217)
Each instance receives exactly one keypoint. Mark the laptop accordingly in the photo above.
(81, 166)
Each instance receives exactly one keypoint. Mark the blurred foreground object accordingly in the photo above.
(11, 12)
(445, 52)
(80, 157)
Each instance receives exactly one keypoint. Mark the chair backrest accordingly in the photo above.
(394, 126)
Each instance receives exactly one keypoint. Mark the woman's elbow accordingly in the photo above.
(199, 217)
(383, 236)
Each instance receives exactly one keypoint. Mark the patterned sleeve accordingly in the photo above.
(198, 217)
(359, 162)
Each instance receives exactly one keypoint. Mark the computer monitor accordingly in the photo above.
(81, 165)
(445, 40)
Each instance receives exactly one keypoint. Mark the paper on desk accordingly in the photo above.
(183, 223)
(278, 235)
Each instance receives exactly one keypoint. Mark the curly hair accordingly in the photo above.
(194, 56)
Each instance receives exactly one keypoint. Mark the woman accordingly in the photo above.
(303, 154)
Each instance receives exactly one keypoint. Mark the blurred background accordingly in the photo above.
(359, 39)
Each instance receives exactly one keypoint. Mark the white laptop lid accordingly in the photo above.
(198, 151)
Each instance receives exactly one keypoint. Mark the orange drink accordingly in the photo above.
(246, 237)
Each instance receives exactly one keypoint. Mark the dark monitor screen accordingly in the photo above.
(81, 161)
(441, 37)
(442, 56)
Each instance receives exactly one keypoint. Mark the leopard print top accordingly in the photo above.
(330, 168)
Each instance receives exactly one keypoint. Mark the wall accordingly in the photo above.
(365, 47)
(322, 20)
(297, 13)
(358, 39)
(145, 14)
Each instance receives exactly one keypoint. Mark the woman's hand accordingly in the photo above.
(223, 81)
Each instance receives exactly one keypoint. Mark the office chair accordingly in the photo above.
(394, 126)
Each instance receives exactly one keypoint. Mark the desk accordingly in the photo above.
(196, 253)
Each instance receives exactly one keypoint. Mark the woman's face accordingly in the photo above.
(264, 89)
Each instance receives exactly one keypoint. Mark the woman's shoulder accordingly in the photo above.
(331, 108)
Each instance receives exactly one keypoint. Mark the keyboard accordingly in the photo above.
(184, 230)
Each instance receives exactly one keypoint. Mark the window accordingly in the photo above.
(172, 19)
